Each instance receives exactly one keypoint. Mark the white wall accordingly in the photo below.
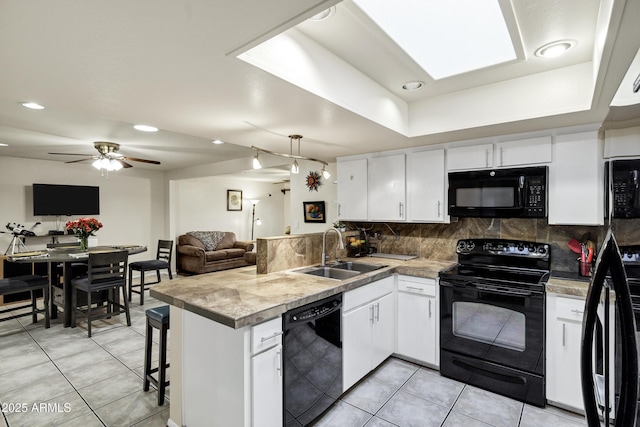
(201, 204)
(327, 192)
(131, 201)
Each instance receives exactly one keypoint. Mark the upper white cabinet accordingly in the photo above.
(387, 189)
(352, 189)
(622, 142)
(576, 188)
(470, 157)
(426, 186)
(524, 152)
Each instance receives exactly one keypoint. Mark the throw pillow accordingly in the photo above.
(210, 239)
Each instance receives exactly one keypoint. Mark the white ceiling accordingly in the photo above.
(100, 67)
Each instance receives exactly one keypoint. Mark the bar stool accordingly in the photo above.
(157, 317)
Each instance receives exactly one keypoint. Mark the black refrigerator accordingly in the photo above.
(609, 277)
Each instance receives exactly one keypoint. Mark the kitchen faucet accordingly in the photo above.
(324, 243)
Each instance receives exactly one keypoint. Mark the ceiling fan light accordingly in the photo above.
(256, 162)
(97, 164)
(295, 168)
(115, 164)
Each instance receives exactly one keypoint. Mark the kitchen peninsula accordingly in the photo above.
(220, 324)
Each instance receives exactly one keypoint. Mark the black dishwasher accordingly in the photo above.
(312, 360)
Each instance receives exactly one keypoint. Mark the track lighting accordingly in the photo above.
(295, 167)
(256, 162)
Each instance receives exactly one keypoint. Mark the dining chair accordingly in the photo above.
(27, 283)
(162, 261)
(107, 271)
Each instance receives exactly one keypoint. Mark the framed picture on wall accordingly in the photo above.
(234, 200)
(314, 212)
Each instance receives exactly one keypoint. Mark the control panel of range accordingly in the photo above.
(630, 254)
(502, 248)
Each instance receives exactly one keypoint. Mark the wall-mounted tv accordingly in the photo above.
(51, 199)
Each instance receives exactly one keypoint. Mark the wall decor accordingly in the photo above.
(234, 200)
(313, 181)
(314, 212)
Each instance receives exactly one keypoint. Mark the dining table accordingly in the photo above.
(60, 262)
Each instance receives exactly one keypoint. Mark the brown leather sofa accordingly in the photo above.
(196, 257)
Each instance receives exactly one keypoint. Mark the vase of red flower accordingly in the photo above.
(83, 228)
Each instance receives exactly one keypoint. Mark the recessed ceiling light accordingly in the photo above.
(415, 85)
(32, 106)
(554, 49)
(217, 142)
(2, 144)
(323, 15)
(145, 128)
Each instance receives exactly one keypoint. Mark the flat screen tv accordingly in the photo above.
(51, 199)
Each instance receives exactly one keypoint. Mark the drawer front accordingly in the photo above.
(569, 309)
(266, 335)
(367, 293)
(417, 286)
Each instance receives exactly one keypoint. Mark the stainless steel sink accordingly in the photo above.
(329, 272)
(362, 267)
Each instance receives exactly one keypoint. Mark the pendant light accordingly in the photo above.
(295, 167)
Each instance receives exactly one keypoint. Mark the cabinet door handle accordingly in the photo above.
(413, 288)
(276, 334)
(563, 334)
(429, 309)
(377, 312)
(486, 157)
(339, 209)
(401, 210)
(371, 314)
(576, 311)
(438, 209)
(279, 367)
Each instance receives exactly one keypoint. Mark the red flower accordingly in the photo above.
(84, 227)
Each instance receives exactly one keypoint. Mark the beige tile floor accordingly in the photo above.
(60, 377)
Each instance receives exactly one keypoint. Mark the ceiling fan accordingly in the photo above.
(107, 157)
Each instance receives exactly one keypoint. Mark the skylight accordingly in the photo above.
(445, 37)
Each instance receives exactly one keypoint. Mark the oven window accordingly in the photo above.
(489, 324)
(485, 197)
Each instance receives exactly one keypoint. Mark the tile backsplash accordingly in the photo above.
(438, 241)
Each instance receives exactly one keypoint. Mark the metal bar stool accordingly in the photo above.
(158, 318)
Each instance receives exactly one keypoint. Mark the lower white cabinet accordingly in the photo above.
(230, 377)
(417, 332)
(564, 334)
(563, 344)
(368, 329)
(266, 374)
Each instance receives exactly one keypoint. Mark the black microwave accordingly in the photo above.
(623, 193)
(499, 193)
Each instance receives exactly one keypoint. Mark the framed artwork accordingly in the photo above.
(314, 212)
(234, 200)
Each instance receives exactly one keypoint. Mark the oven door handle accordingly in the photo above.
(502, 291)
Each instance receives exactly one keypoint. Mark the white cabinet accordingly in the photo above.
(576, 189)
(563, 341)
(387, 189)
(426, 186)
(524, 152)
(352, 189)
(418, 333)
(563, 344)
(232, 376)
(470, 157)
(266, 374)
(622, 142)
(368, 329)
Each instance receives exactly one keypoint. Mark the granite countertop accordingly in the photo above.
(239, 297)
